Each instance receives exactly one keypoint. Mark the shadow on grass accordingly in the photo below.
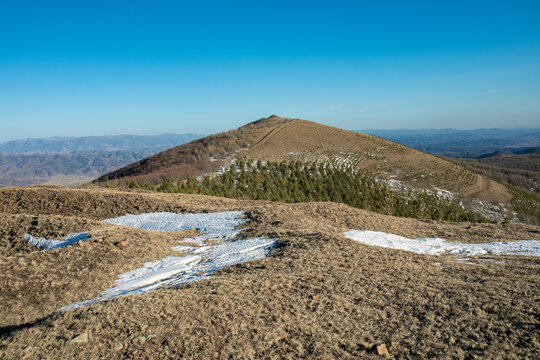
(7, 331)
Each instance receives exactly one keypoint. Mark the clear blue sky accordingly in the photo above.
(73, 68)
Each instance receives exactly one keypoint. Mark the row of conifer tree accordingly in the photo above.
(294, 182)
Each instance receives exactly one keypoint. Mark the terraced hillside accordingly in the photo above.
(279, 139)
(308, 141)
(520, 170)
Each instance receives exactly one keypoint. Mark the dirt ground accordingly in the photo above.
(318, 295)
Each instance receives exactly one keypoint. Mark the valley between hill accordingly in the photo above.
(317, 294)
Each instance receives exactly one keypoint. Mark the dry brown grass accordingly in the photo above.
(36, 283)
(309, 141)
(319, 295)
(520, 170)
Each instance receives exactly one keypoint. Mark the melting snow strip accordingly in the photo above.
(43, 243)
(202, 261)
(437, 246)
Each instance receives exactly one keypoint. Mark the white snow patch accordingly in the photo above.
(396, 185)
(43, 243)
(443, 194)
(218, 226)
(488, 210)
(202, 261)
(437, 246)
(465, 261)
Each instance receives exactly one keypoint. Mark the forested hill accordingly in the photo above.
(294, 182)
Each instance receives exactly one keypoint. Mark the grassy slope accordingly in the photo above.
(319, 295)
(195, 158)
(309, 141)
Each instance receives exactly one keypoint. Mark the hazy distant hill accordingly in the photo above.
(465, 143)
(65, 145)
(72, 160)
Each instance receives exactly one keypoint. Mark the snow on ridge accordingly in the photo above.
(214, 224)
(44, 244)
(437, 246)
(442, 193)
(201, 262)
(489, 210)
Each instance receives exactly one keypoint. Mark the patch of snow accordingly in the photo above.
(465, 261)
(437, 246)
(396, 185)
(177, 271)
(199, 264)
(218, 226)
(443, 194)
(43, 243)
(185, 249)
(488, 210)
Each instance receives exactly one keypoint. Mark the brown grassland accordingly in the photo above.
(318, 295)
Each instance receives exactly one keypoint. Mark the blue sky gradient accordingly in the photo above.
(74, 68)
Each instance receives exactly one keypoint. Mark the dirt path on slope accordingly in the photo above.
(487, 190)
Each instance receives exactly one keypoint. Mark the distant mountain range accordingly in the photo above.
(69, 145)
(465, 143)
(76, 160)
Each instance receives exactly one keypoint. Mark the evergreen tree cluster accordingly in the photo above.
(301, 182)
